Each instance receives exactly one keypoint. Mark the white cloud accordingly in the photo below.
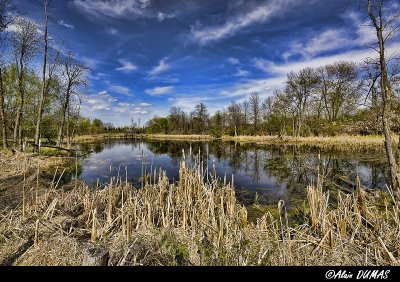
(122, 9)
(111, 31)
(162, 16)
(127, 66)
(242, 73)
(123, 104)
(236, 23)
(115, 8)
(233, 61)
(357, 56)
(103, 106)
(121, 90)
(157, 91)
(333, 39)
(90, 62)
(264, 87)
(99, 101)
(120, 110)
(100, 107)
(64, 24)
(161, 67)
(144, 105)
(139, 112)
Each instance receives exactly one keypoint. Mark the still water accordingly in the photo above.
(269, 172)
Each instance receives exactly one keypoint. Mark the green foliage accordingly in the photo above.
(158, 125)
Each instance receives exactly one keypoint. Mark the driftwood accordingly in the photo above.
(95, 256)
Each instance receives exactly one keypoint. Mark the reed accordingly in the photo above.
(199, 222)
(340, 142)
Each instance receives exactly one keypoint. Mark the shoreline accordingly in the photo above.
(341, 142)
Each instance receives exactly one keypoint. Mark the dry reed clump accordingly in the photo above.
(341, 142)
(198, 222)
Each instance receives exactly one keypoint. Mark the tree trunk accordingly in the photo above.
(64, 111)
(68, 129)
(387, 100)
(17, 138)
(44, 88)
(2, 112)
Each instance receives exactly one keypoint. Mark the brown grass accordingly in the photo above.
(341, 142)
(88, 138)
(193, 222)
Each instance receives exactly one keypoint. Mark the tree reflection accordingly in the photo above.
(291, 168)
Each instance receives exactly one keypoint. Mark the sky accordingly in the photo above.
(148, 55)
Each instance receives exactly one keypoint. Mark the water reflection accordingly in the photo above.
(273, 172)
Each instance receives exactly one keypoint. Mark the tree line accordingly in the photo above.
(334, 99)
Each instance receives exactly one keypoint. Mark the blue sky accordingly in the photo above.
(149, 55)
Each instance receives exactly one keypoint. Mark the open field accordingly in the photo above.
(189, 222)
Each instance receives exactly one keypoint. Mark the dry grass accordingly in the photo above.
(193, 222)
(88, 138)
(342, 142)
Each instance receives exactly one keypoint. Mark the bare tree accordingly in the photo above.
(74, 76)
(300, 87)
(384, 19)
(234, 116)
(339, 88)
(44, 91)
(255, 107)
(25, 41)
(201, 115)
(245, 110)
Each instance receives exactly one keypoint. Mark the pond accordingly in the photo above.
(262, 173)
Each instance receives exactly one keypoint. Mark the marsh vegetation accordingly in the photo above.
(193, 222)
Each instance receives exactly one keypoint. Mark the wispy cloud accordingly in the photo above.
(162, 16)
(242, 73)
(121, 90)
(162, 66)
(236, 23)
(122, 9)
(158, 91)
(111, 31)
(64, 24)
(127, 66)
(90, 62)
(233, 61)
(114, 9)
(333, 39)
